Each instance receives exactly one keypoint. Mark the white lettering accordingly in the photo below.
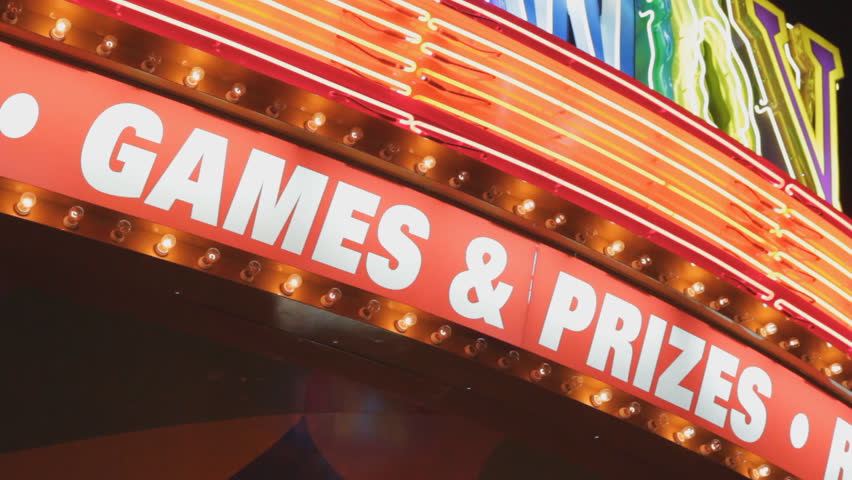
(839, 464)
(608, 336)
(647, 364)
(400, 246)
(713, 386)
(753, 381)
(668, 385)
(572, 307)
(339, 226)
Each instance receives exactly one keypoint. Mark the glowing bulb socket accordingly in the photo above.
(573, 384)
(331, 297)
(695, 289)
(684, 434)
(491, 194)
(107, 45)
(525, 207)
(71, 221)
(833, 369)
(789, 344)
(389, 151)
(473, 350)
(768, 330)
(555, 221)
(236, 92)
(720, 303)
(354, 136)
(367, 311)
(293, 282)
(614, 248)
(459, 179)
(274, 109)
(759, 472)
(315, 122)
(427, 163)
(119, 233)
(165, 245)
(12, 12)
(407, 321)
(713, 446)
(540, 373)
(440, 335)
(642, 262)
(250, 271)
(603, 396)
(60, 29)
(210, 257)
(26, 203)
(195, 76)
(151, 62)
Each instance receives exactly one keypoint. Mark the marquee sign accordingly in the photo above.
(155, 158)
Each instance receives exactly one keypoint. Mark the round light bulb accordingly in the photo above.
(407, 321)
(366, 312)
(427, 163)
(250, 271)
(165, 245)
(473, 350)
(720, 303)
(614, 248)
(540, 372)
(833, 369)
(151, 62)
(790, 344)
(768, 330)
(630, 410)
(316, 121)
(236, 92)
(354, 136)
(759, 472)
(73, 217)
(210, 257)
(603, 396)
(119, 233)
(685, 434)
(331, 297)
(293, 282)
(641, 262)
(12, 12)
(60, 29)
(195, 76)
(555, 221)
(525, 207)
(574, 383)
(441, 334)
(25, 203)
(107, 45)
(712, 446)
(511, 358)
(389, 151)
(273, 110)
(695, 289)
(459, 179)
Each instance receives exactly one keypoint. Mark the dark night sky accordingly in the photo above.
(829, 19)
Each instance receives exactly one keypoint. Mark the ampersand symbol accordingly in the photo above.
(478, 277)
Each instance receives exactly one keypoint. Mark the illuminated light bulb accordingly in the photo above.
(119, 233)
(12, 12)
(107, 45)
(440, 335)
(710, 447)
(427, 163)
(195, 76)
(759, 472)
(571, 385)
(25, 203)
(695, 289)
(250, 271)
(355, 134)
(524, 207)
(274, 109)
(60, 29)
(389, 151)
(210, 257)
(290, 285)
(366, 312)
(603, 396)
(73, 217)
(641, 262)
(768, 330)
(331, 297)
(165, 245)
(151, 62)
(540, 372)
(614, 248)
(236, 92)
(630, 410)
(407, 321)
(315, 122)
(684, 434)
(509, 360)
(473, 350)
(655, 424)
(833, 369)
(789, 344)
(720, 303)
(491, 194)
(459, 179)
(555, 221)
